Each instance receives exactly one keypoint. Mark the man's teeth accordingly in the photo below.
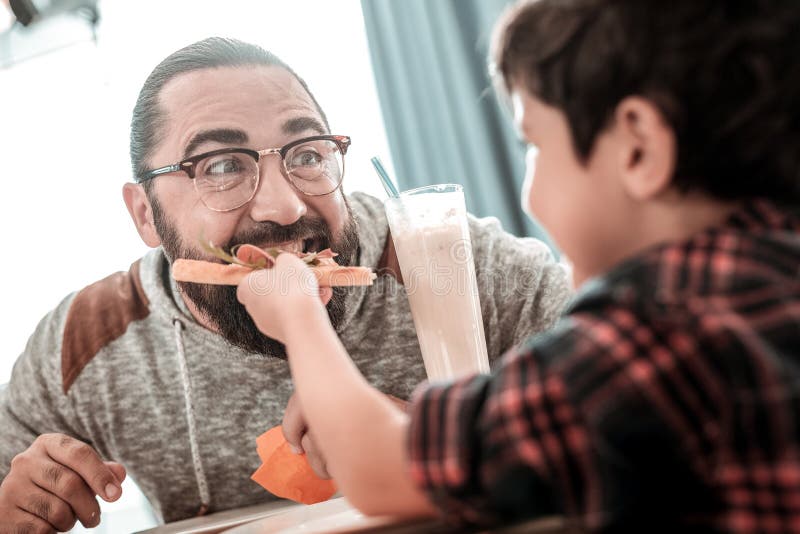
(289, 246)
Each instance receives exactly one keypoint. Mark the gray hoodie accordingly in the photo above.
(123, 366)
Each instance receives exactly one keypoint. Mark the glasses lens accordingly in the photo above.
(315, 167)
(226, 181)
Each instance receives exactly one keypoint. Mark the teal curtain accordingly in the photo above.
(443, 121)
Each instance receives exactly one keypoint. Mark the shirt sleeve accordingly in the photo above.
(559, 428)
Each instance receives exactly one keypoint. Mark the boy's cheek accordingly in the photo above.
(535, 195)
(544, 205)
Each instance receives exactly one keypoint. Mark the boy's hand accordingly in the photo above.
(286, 293)
(295, 430)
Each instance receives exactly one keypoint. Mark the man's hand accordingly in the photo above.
(286, 292)
(53, 484)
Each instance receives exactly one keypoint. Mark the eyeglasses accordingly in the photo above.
(228, 178)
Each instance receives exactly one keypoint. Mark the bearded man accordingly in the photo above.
(171, 383)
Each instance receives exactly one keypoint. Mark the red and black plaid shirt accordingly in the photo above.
(667, 398)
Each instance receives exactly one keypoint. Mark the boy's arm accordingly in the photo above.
(571, 423)
(366, 448)
(362, 432)
(566, 424)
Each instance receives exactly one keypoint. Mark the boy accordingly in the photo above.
(665, 161)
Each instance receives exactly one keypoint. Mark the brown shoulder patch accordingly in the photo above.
(98, 315)
(388, 263)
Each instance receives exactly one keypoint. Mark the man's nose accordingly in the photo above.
(276, 200)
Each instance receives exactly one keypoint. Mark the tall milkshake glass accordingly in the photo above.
(431, 236)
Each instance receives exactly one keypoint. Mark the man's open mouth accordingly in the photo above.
(309, 244)
(315, 244)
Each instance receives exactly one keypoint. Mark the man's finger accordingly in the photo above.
(23, 521)
(294, 425)
(118, 469)
(85, 461)
(49, 508)
(314, 457)
(70, 487)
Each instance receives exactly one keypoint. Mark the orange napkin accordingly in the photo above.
(286, 474)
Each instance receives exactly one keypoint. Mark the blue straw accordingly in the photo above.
(387, 182)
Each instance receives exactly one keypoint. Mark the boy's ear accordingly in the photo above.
(141, 212)
(649, 151)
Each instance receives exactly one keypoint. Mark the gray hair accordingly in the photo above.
(148, 118)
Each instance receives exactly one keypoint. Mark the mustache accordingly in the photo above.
(272, 232)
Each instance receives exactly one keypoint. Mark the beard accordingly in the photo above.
(219, 304)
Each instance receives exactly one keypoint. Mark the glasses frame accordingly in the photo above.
(188, 165)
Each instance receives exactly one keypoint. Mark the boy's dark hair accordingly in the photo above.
(724, 73)
(148, 117)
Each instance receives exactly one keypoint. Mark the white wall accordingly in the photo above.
(64, 131)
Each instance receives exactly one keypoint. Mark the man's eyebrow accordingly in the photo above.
(301, 124)
(226, 136)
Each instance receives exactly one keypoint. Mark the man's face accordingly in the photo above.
(252, 107)
(580, 204)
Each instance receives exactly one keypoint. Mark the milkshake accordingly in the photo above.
(431, 236)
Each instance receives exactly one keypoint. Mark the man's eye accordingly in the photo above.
(306, 158)
(223, 166)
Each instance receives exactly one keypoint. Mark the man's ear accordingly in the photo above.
(649, 151)
(141, 212)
